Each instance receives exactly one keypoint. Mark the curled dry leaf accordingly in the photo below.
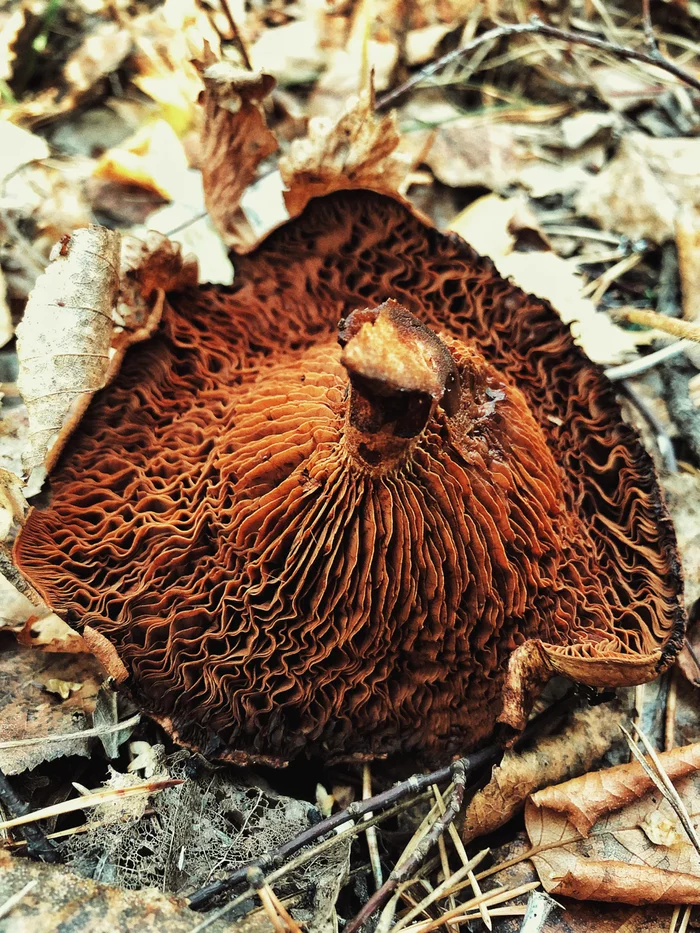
(570, 752)
(612, 836)
(358, 151)
(64, 340)
(235, 140)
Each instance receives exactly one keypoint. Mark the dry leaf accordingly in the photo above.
(166, 40)
(640, 191)
(17, 148)
(291, 53)
(612, 836)
(421, 44)
(358, 151)
(6, 327)
(485, 225)
(571, 751)
(471, 152)
(153, 158)
(64, 340)
(235, 140)
(13, 505)
(688, 242)
(30, 712)
(64, 901)
(148, 269)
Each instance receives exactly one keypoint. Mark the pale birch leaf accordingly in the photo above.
(63, 343)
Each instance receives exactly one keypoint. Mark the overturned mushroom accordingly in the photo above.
(290, 543)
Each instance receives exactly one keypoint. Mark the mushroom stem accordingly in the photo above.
(399, 371)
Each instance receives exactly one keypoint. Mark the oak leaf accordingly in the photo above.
(612, 836)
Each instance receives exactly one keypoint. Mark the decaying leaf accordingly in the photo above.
(235, 140)
(487, 225)
(640, 191)
(64, 340)
(31, 711)
(62, 900)
(358, 151)
(612, 836)
(148, 269)
(570, 751)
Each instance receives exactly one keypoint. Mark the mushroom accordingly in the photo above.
(292, 538)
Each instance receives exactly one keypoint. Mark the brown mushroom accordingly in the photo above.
(293, 546)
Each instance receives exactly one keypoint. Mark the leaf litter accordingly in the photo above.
(582, 173)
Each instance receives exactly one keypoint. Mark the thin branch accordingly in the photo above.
(408, 868)
(536, 27)
(414, 785)
(236, 35)
(649, 29)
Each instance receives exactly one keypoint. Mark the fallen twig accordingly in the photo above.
(458, 772)
(537, 27)
(414, 785)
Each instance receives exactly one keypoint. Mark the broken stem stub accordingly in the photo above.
(399, 371)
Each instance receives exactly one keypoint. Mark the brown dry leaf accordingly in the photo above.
(358, 151)
(612, 836)
(688, 242)
(485, 225)
(235, 140)
(12, 503)
(64, 340)
(63, 901)
(570, 752)
(470, 151)
(573, 916)
(640, 191)
(148, 269)
(29, 711)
